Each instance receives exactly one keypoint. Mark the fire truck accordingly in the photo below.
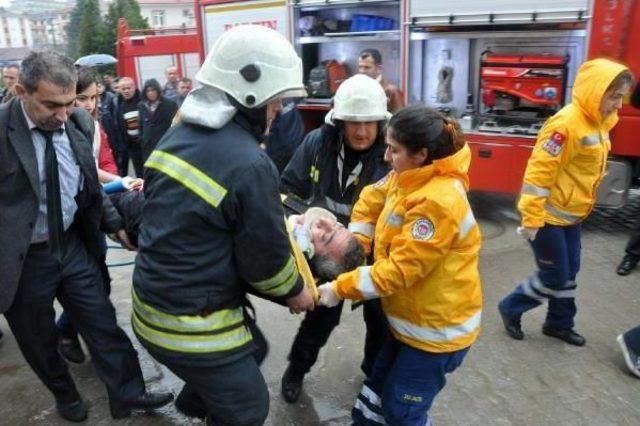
(502, 67)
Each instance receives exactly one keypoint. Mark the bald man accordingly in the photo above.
(125, 118)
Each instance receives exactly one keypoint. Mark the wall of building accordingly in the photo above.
(165, 14)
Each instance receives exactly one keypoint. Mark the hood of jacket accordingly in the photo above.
(592, 81)
(208, 107)
(455, 165)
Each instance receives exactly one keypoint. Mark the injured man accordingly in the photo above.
(329, 248)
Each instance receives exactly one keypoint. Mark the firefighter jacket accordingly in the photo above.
(570, 156)
(315, 172)
(426, 248)
(212, 228)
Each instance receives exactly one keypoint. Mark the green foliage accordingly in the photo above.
(128, 9)
(91, 34)
(73, 29)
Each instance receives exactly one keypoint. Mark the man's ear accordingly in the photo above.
(20, 90)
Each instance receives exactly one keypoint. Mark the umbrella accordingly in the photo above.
(95, 60)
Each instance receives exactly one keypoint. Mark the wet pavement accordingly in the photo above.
(537, 381)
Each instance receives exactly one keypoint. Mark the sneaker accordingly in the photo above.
(630, 357)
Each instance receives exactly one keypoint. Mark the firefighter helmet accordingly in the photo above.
(359, 98)
(253, 64)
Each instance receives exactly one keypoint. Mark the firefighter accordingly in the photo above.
(426, 246)
(558, 193)
(330, 168)
(213, 228)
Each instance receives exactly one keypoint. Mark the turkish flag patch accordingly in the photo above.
(553, 145)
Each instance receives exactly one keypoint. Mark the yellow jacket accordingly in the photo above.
(426, 255)
(570, 156)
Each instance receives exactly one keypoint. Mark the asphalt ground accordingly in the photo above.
(537, 381)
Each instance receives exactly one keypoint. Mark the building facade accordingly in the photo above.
(165, 13)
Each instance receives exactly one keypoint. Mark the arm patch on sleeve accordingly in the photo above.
(423, 230)
(553, 145)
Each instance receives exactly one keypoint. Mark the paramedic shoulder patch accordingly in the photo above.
(554, 144)
(423, 230)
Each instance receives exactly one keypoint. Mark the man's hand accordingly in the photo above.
(302, 302)
(527, 233)
(123, 238)
(328, 296)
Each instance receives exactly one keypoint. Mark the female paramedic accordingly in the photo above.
(425, 270)
(558, 193)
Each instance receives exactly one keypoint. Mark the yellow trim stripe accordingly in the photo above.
(192, 344)
(189, 176)
(186, 323)
(281, 283)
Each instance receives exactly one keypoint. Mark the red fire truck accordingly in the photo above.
(500, 66)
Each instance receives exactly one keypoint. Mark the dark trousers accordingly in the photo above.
(403, 385)
(78, 285)
(633, 246)
(133, 152)
(317, 325)
(232, 394)
(557, 254)
(64, 325)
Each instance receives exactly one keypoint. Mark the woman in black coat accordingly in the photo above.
(155, 114)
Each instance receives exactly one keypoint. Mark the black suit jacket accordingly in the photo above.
(19, 193)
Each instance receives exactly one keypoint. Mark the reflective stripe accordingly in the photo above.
(538, 191)
(341, 209)
(467, 224)
(314, 174)
(552, 293)
(186, 323)
(365, 283)
(395, 220)
(426, 334)
(536, 289)
(366, 229)
(281, 283)
(189, 176)
(562, 215)
(371, 396)
(367, 413)
(231, 339)
(590, 140)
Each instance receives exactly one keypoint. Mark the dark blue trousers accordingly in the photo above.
(557, 254)
(403, 385)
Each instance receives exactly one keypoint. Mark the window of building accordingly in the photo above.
(158, 18)
(189, 19)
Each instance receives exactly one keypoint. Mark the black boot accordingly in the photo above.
(72, 411)
(145, 402)
(627, 265)
(71, 350)
(291, 385)
(512, 325)
(567, 335)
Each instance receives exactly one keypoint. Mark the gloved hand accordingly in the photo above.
(527, 233)
(327, 295)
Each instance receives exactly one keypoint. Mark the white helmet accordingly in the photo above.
(253, 64)
(359, 98)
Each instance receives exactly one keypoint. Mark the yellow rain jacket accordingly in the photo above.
(570, 156)
(426, 252)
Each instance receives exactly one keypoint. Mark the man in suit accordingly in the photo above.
(51, 211)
